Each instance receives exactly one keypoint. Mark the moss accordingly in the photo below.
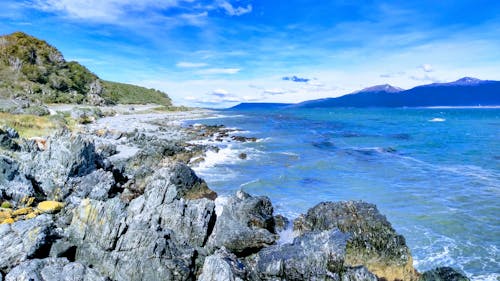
(6, 205)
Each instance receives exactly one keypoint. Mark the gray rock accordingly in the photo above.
(8, 138)
(66, 156)
(443, 274)
(96, 185)
(53, 269)
(13, 184)
(312, 256)
(244, 224)
(223, 265)
(157, 236)
(24, 240)
(373, 243)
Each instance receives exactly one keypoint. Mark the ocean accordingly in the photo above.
(434, 172)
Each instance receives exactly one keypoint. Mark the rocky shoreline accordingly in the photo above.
(117, 200)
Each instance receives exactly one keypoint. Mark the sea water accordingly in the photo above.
(434, 172)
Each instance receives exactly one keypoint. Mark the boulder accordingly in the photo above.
(53, 269)
(317, 255)
(13, 184)
(223, 265)
(157, 236)
(373, 242)
(24, 240)
(99, 185)
(65, 157)
(244, 224)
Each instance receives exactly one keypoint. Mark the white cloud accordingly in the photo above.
(185, 64)
(232, 11)
(213, 71)
(426, 67)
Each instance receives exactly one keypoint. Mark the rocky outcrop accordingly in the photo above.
(312, 256)
(8, 137)
(223, 265)
(71, 211)
(53, 269)
(65, 156)
(157, 236)
(244, 224)
(24, 240)
(373, 242)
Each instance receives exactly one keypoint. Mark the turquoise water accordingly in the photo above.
(435, 173)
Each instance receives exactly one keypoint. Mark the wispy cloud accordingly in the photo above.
(185, 64)
(101, 10)
(215, 71)
(234, 11)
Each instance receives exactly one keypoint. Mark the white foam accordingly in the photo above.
(286, 235)
(437, 120)
(220, 202)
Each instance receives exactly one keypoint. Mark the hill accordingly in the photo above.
(33, 70)
(252, 106)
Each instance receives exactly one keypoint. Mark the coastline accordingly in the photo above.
(128, 174)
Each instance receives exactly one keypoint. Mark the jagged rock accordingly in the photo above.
(53, 269)
(443, 274)
(97, 185)
(158, 236)
(317, 255)
(13, 184)
(223, 265)
(66, 157)
(24, 240)
(244, 225)
(373, 243)
(8, 138)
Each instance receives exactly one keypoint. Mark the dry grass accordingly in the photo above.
(34, 126)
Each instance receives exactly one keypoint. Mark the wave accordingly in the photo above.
(437, 120)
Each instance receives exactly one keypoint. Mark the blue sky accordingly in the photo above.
(221, 52)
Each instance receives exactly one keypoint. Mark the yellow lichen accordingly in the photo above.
(50, 206)
(32, 215)
(9, 221)
(5, 215)
(22, 211)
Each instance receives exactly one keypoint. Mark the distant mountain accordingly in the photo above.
(33, 70)
(376, 96)
(380, 88)
(463, 92)
(253, 106)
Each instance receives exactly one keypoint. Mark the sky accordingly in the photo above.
(217, 53)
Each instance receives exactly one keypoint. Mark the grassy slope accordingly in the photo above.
(132, 94)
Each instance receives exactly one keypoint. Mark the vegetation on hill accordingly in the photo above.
(31, 69)
(132, 94)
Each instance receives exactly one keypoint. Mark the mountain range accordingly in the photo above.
(466, 91)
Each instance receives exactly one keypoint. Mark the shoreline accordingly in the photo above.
(124, 193)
